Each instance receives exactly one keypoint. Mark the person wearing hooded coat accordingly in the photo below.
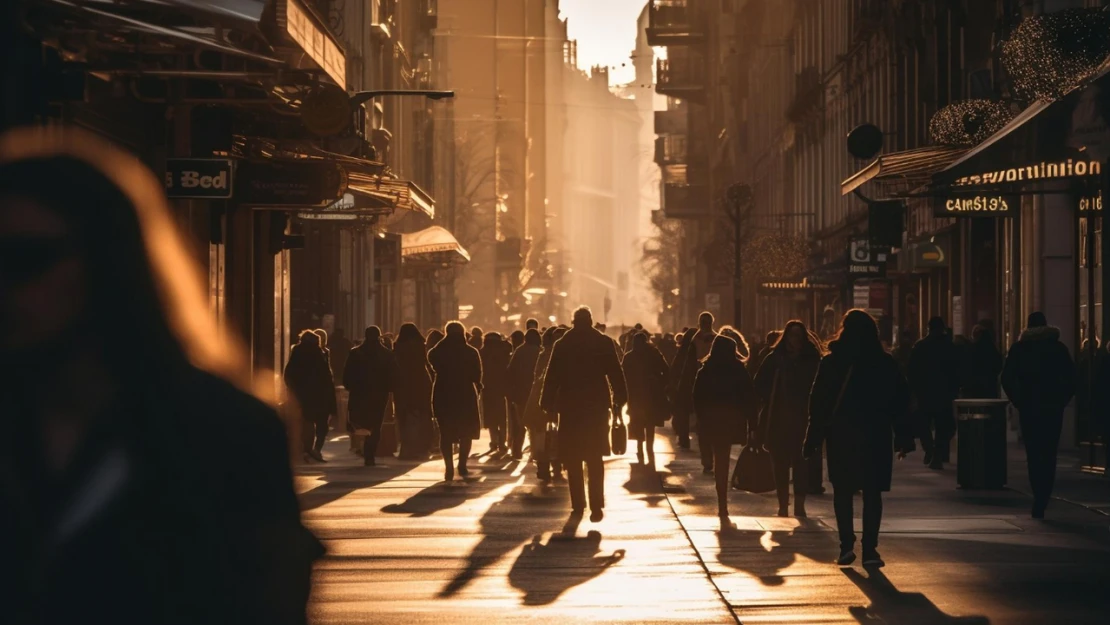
(547, 465)
(370, 377)
(522, 371)
(784, 381)
(108, 512)
(308, 378)
(412, 397)
(496, 354)
(1039, 379)
(645, 373)
(458, 381)
(724, 399)
(584, 383)
(858, 408)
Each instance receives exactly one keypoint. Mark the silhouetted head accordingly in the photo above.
(516, 338)
(858, 335)
(323, 334)
(309, 338)
(639, 339)
(773, 337)
(373, 334)
(638, 327)
(583, 317)
(1037, 320)
(434, 337)
(531, 324)
(723, 350)
(85, 237)
(491, 338)
(741, 343)
(560, 332)
(548, 337)
(705, 321)
(796, 339)
(476, 332)
(937, 326)
(409, 333)
(532, 337)
(454, 329)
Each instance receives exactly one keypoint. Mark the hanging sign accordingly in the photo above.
(986, 205)
(284, 184)
(862, 263)
(929, 254)
(198, 178)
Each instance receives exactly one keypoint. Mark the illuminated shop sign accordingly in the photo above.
(1070, 168)
(976, 206)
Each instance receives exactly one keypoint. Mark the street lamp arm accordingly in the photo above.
(361, 97)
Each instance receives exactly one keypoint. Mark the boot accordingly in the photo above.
(800, 506)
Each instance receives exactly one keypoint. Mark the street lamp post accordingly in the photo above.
(739, 197)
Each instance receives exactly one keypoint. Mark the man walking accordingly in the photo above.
(1039, 379)
(934, 377)
(370, 376)
(584, 382)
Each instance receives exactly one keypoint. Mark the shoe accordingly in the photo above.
(316, 455)
(368, 461)
(847, 557)
(1038, 510)
(518, 455)
(800, 511)
(784, 511)
(873, 559)
(596, 516)
(707, 471)
(684, 443)
(463, 473)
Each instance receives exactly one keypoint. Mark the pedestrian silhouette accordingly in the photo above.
(370, 377)
(412, 395)
(309, 379)
(645, 373)
(496, 354)
(857, 407)
(522, 372)
(934, 378)
(985, 366)
(1039, 378)
(113, 508)
(547, 465)
(681, 388)
(458, 380)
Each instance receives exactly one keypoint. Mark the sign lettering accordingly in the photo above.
(198, 178)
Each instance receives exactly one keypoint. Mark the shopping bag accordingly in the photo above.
(754, 472)
(618, 435)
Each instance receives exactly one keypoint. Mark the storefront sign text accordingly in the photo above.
(209, 178)
(976, 206)
(1070, 168)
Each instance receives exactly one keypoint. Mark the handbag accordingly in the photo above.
(754, 471)
(618, 435)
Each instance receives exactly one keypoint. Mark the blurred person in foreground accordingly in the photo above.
(584, 382)
(858, 408)
(110, 509)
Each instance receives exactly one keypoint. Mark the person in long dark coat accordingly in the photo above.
(645, 373)
(370, 376)
(784, 382)
(547, 464)
(681, 388)
(522, 371)
(340, 349)
(985, 367)
(724, 398)
(668, 347)
(496, 354)
(858, 408)
(458, 381)
(308, 377)
(935, 373)
(110, 511)
(584, 382)
(1039, 379)
(412, 397)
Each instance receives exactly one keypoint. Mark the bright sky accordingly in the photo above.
(606, 34)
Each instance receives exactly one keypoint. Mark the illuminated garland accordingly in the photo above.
(968, 122)
(771, 256)
(1049, 54)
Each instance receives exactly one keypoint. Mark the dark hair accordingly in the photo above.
(323, 334)
(454, 328)
(409, 332)
(937, 324)
(858, 335)
(723, 350)
(308, 336)
(491, 337)
(373, 333)
(517, 337)
(583, 316)
(434, 337)
(639, 338)
(812, 345)
(742, 347)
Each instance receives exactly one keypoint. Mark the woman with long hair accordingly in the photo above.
(723, 400)
(412, 396)
(857, 408)
(458, 381)
(783, 382)
(109, 509)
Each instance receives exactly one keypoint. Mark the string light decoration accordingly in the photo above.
(774, 256)
(968, 122)
(1048, 55)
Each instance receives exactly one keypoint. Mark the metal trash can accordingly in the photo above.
(981, 446)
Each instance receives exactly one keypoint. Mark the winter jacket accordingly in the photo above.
(870, 422)
(725, 401)
(370, 376)
(1039, 375)
(584, 380)
(308, 377)
(458, 380)
(645, 373)
(784, 384)
(413, 392)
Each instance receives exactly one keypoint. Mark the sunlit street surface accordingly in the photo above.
(403, 547)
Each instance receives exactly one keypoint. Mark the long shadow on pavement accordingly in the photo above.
(765, 555)
(341, 481)
(890, 605)
(545, 571)
(446, 495)
(525, 512)
(645, 481)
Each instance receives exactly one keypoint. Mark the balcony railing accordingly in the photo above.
(671, 23)
(682, 77)
(671, 122)
(685, 201)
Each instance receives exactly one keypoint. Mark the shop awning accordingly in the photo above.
(910, 167)
(433, 244)
(390, 193)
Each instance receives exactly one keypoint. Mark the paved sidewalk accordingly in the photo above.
(953, 556)
(403, 547)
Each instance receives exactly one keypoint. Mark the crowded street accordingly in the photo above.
(405, 548)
